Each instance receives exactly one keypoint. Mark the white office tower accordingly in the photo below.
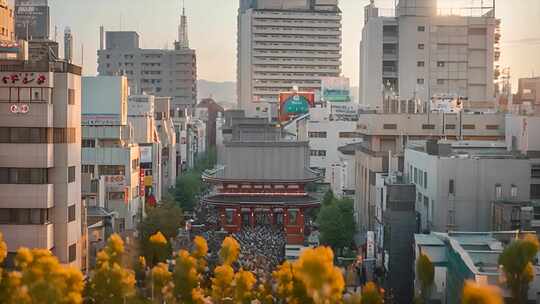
(420, 51)
(68, 45)
(283, 44)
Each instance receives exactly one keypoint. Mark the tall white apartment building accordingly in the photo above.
(40, 158)
(420, 51)
(282, 44)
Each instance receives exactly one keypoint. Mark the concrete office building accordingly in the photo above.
(456, 182)
(32, 19)
(109, 150)
(282, 44)
(167, 137)
(159, 72)
(141, 117)
(395, 226)
(40, 158)
(208, 110)
(468, 256)
(418, 51)
(386, 136)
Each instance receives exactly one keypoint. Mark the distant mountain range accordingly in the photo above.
(224, 93)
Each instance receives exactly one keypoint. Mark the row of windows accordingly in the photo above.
(317, 152)
(37, 135)
(26, 94)
(440, 64)
(317, 134)
(419, 177)
(25, 216)
(31, 176)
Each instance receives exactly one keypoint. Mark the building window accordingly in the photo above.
(72, 252)
(420, 81)
(428, 127)
(477, 31)
(88, 143)
(450, 127)
(420, 177)
(71, 213)
(229, 217)
(87, 169)
(64, 135)
(71, 96)
(492, 127)
(25, 135)
(415, 175)
(117, 196)
(421, 46)
(317, 134)
(535, 171)
(318, 152)
(421, 28)
(440, 64)
(498, 192)
(451, 187)
(440, 81)
(349, 135)
(390, 126)
(420, 64)
(469, 127)
(24, 216)
(425, 180)
(111, 170)
(514, 191)
(32, 176)
(535, 191)
(71, 174)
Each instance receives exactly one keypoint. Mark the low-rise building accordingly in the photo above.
(167, 136)
(385, 137)
(468, 256)
(109, 150)
(457, 182)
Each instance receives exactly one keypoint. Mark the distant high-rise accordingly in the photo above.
(283, 44)
(420, 51)
(68, 45)
(183, 40)
(159, 72)
(32, 19)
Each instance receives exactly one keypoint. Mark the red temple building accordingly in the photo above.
(261, 180)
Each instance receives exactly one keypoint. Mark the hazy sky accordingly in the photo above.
(212, 30)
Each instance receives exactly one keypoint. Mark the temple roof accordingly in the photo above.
(263, 200)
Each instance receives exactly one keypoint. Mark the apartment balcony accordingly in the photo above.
(27, 196)
(296, 15)
(298, 61)
(296, 46)
(30, 236)
(106, 156)
(296, 39)
(301, 77)
(27, 155)
(297, 31)
(302, 23)
(295, 54)
(39, 114)
(390, 56)
(392, 39)
(303, 69)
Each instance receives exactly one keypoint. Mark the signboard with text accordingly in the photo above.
(335, 89)
(26, 79)
(100, 120)
(295, 103)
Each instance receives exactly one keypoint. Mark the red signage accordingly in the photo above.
(19, 108)
(141, 183)
(292, 104)
(24, 78)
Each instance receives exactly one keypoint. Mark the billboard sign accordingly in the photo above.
(146, 154)
(26, 79)
(295, 103)
(100, 120)
(32, 19)
(335, 89)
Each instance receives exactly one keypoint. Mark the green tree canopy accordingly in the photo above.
(336, 223)
(516, 260)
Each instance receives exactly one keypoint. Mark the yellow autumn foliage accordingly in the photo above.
(474, 293)
(230, 250)
(324, 281)
(158, 239)
(244, 281)
(222, 283)
(3, 248)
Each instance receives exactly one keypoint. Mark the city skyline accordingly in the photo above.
(218, 22)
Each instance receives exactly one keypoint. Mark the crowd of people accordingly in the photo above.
(262, 248)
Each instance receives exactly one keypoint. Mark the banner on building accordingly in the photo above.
(292, 104)
(146, 154)
(335, 89)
